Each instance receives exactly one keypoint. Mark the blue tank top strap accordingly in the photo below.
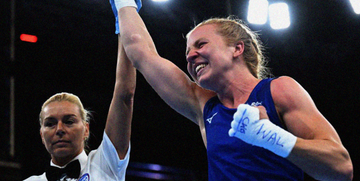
(261, 95)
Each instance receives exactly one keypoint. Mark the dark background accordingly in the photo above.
(76, 52)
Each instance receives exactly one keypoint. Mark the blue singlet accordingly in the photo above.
(229, 158)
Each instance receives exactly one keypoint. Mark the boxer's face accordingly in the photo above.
(63, 131)
(208, 56)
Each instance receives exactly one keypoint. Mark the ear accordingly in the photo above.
(42, 137)
(239, 49)
(87, 130)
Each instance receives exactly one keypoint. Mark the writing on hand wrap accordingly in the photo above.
(244, 121)
(272, 137)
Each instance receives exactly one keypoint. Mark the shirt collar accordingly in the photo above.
(82, 157)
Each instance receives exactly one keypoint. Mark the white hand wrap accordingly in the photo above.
(122, 3)
(263, 133)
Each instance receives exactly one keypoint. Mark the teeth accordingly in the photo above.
(197, 69)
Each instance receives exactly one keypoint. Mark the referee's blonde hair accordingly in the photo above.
(72, 98)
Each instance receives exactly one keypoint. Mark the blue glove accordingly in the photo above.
(117, 4)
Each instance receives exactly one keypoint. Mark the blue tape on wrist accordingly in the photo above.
(114, 9)
(139, 5)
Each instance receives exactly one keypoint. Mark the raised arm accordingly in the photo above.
(118, 124)
(170, 82)
(318, 150)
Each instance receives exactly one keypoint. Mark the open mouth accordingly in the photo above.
(199, 67)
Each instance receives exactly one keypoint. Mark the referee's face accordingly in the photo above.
(63, 131)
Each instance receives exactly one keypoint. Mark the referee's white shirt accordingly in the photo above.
(101, 164)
